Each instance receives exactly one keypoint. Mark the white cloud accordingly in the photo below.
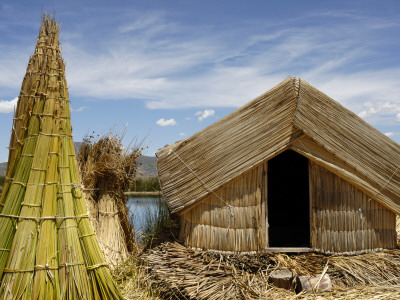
(389, 134)
(82, 108)
(363, 114)
(13, 66)
(182, 134)
(170, 65)
(204, 114)
(373, 109)
(148, 24)
(143, 65)
(188, 118)
(8, 106)
(163, 122)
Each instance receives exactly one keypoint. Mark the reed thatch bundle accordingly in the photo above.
(179, 271)
(47, 246)
(107, 169)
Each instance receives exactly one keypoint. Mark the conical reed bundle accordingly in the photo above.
(47, 246)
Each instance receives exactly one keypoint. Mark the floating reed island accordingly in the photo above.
(48, 249)
(292, 170)
(180, 272)
(107, 170)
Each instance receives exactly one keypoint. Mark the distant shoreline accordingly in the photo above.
(138, 194)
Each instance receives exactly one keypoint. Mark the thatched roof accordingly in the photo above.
(48, 249)
(292, 115)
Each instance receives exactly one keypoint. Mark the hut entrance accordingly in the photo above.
(288, 201)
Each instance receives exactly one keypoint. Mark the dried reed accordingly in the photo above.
(287, 116)
(134, 280)
(47, 246)
(107, 170)
(182, 272)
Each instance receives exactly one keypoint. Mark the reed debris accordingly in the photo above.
(181, 272)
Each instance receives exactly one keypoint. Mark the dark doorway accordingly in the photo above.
(288, 201)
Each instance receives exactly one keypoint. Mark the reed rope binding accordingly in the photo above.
(231, 213)
(91, 268)
(204, 185)
(47, 267)
(39, 219)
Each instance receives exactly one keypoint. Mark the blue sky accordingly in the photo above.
(170, 68)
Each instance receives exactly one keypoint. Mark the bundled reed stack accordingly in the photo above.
(107, 169)
(47, 246)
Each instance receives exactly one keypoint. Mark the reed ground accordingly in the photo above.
(171, 271)
(162, 268)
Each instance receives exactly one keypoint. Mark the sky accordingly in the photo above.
(163, 70)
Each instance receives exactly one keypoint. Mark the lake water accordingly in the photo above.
(144, 209)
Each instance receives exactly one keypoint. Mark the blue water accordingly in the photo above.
(140, 207)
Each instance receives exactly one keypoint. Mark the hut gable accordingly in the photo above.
(293, 115)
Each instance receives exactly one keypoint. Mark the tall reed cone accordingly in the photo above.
(47, 246)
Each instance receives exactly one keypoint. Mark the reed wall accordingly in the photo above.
(230, 219)
(344, 219)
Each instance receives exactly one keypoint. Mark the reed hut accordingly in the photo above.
(292, 170)
(48, 249)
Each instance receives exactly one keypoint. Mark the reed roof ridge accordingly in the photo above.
(296, 81)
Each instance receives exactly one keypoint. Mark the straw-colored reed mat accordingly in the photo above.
(180, 272)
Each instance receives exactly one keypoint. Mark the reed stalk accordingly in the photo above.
(47, 245)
